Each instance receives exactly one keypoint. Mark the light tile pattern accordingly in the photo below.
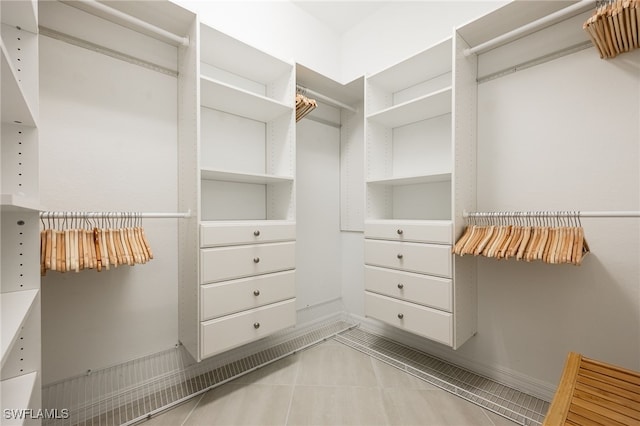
(328, 384)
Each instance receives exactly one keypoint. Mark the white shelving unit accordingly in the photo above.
(420, 150)
(19, 203)
(243, 148)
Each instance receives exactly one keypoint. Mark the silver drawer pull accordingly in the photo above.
(400, 316)
(256, 260)
(256, 325)
(400, 256)
(400, 286)
(256, 233)
(256, 292)
(400, 231)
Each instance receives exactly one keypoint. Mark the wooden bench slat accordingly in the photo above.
(614, 390)
(611, 380)
(577, 419)
(611, 370)
(562, 400)
(608, 397)
(605, 412)
(605, 403)
(584, 412)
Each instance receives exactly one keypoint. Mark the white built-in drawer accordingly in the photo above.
(227, 332)
(224, 263)
(214, 234)
(417, 288)
(423, 231)
(228, 297)
(430, 323)
(432, 259)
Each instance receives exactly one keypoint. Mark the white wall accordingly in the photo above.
(553, 137)
(318, 241)
(107, 143)
(277, 27)
(402, 29)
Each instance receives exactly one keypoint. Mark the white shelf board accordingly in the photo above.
(223, 97)
(423, 222)
(510, 17)
(422, 108)
(431, 62)
(237, 177)
(15, 311)
(17, 391)
(23, 14)
(232, 55)
(410, 180)
(18, 203)
(15, 108)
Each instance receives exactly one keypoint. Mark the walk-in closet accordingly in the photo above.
(320, 212)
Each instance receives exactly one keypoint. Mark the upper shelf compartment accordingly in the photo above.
(422, 108)
(236, 64)
(224, 97)
(413, 80)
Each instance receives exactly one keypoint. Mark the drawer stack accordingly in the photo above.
(247, 277)
(408, 276)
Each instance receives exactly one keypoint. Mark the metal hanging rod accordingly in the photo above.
(321, 97)
(557, 214)
(160, 32)
(569, 11)
(112, 215)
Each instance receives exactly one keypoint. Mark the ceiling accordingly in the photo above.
(339, 15)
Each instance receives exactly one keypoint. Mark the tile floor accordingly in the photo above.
(328, 384)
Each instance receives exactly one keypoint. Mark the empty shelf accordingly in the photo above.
(223, 97)
(237, 177)
(15, 203)
(15, 311)
(410, 180)
(16, 395)
(422, 108)
(15, 108)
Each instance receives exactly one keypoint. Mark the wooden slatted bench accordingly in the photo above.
(595, 393)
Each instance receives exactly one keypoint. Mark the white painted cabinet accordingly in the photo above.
(237, 174)
(20, 347)
(420, 177)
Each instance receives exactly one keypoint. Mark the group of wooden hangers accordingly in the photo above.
(304, 106)
(74, 245)
(614, 27)
(557, 243)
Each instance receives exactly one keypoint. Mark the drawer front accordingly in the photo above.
(413, 257)
(233, 296)
(430, 323)
(224, 333)
(422, 289)
(216, 234)
(435, 231)
(224, 263)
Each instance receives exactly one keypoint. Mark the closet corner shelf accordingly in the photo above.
(15, 107)
(410, 180)
(17, 391)
(223, 97)
(21, 14)
(15, 311)
(237, 177)
(422, 108)
(18, 203)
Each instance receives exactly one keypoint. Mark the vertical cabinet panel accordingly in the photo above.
(19, 203)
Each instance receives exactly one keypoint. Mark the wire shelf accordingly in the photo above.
(488, 394)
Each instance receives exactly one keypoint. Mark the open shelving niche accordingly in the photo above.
(409, 153)
(247, 141)
(19, 203)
